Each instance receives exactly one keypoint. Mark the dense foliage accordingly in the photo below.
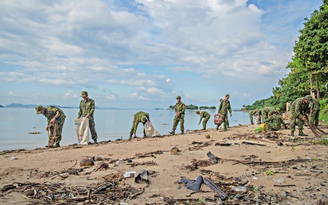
(308, 68)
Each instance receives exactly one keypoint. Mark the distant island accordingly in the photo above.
(195, 107)
(1, 106)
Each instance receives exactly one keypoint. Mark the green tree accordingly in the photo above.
(311, 50)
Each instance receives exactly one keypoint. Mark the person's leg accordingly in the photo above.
(60, 125)
(175, 124)
(92, 127)
(300, 124)
(134, 127)
(292, 124)
(182, 125)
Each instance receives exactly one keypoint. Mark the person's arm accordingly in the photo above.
(93, 106)
(53, 120)
(80, 111)
(230, 110)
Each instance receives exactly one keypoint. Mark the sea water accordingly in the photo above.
(111, 124)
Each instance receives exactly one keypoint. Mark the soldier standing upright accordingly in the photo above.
(299, 110)
(204, 115)
(224, 107)
(56, 119)
(179, 109)
(87, 109)
(142, 117)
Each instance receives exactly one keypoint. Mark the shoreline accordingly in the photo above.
(256, 163)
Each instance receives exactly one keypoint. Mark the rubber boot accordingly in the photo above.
(95, 141)
(225, 128)
(217, 127)
(301, 133)
(172, 133)
(292, 133)
(182, 132)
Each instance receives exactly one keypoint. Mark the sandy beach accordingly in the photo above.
(249, 168)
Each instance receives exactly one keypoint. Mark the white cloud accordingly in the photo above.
(155, 49)
(110, 97)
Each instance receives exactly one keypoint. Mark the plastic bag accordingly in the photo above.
(150, 130)
(82, 130)
(217, 118)
(262, 127)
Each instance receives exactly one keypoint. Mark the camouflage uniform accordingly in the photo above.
(179, 109)
(224, 107)
(142, 117)
(55, 130)
(206, 117)
(266, 111)
(274, 122)
(298, 109)
(314, 112)
(87, 107)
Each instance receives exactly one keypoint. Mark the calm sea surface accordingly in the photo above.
(111, 124)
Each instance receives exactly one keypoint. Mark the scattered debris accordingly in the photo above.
(192, 184)
(212, 157)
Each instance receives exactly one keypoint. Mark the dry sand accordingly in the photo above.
(294, 173)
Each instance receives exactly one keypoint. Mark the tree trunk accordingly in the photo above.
(311, 85)
(317, 88)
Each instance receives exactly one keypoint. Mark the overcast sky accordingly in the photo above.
(143, 53)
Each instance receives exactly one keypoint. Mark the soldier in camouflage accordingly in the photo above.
(55, 116)
(299, 110)
(224, 107)
(204, 115)
(179, 109)
(87, 109)
(274, 121)
(314, 111)
(265, 112)
(142, 117)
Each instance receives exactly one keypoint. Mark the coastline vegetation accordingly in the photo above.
(308, 68)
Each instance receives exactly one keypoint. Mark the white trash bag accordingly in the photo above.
(150, 130)
(82, 130)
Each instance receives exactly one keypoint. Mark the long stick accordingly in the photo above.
(320, 130)
(312, 129)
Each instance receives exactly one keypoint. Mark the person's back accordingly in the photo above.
(274, 122)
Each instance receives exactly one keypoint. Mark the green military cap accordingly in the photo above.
(84, 93)
(227, 95)
(38, 109)
(197, 111)
(178, 97)
(309, 97)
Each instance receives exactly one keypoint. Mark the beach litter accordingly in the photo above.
(212, 157)
(143, 176)
(86, 162)
(193, 184)
(101, 166)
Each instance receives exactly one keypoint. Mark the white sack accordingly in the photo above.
(82, 130)
(150, 130)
